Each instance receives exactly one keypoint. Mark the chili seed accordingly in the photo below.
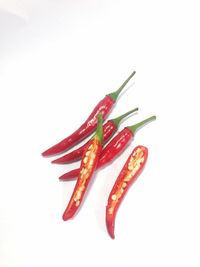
(85, 160)
(128, 177)
(78, 195)
(90, 147)
(84, 171)
(110, 211)
(81, 188)
(124, 185)
(130, 167)
(77, 203)
(114, 197)
(91, 162)
(88, 153)
(142, 159)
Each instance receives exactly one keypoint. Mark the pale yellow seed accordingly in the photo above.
(133, 173)
(137, 166)
(85, 160)
(86, 176)
(131, 159)
(130, 167)
(124, 185)
(142, 159)
(110, 210)
(121, 190)
(114, 197)
(84, 171)
(138, 150)
(81, 188)
(90, 147)
(92, 155)
(128, 177)
(78, 195)
(77, 203)
(91, 162)
(88, 153)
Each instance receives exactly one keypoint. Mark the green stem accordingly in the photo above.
(118, 120)
(135, 127)
(114, 95)
(99, 130)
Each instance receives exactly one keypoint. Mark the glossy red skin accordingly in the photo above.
(115, 147)
(110, 218)
(72, 208)
(108, 154)
(109, 128)
(103, 107)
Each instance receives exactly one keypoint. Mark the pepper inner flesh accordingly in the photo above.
(136, 159)
(86, 170)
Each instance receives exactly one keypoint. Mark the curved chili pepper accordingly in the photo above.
(109, 128)
(104, 106)
(130, 171)
(88, 166)
(112, 149)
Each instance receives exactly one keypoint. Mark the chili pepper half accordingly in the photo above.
(130, 171)
(112, 149)
(88, 166)
(104, 106)
(109, 128)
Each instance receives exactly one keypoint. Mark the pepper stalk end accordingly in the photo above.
(118, 120)
(99, 130)
(135, 127)
(114, 95)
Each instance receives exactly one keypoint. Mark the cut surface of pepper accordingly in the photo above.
(88, 165)
(112, 149)
(103, 107)
(109, 128)
(129, 173)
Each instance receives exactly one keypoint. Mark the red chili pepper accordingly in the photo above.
(127, 176)
(88, 166)
(112, 149)
(104, 106)
(109, 128)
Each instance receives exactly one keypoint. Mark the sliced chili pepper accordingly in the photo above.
(130, 171)
(109, 128)
(88, 166)
(112, 149)
(104, 106)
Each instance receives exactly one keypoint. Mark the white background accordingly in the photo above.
(57, 60)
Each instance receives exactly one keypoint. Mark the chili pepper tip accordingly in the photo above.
(66, 216)
(110, 229)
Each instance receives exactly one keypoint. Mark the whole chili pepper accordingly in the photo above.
(109, 128)
(104, 106)
(130, 171)
(112, 149)
(88, 166)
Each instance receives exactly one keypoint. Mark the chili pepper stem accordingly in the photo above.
(135, 127)
(99, 130)
(114, 95)
(118, 120)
